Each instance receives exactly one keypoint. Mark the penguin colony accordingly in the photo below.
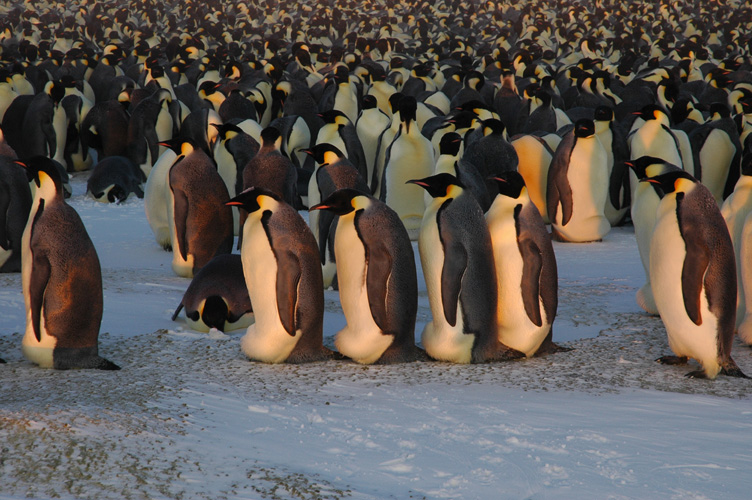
(465, 126)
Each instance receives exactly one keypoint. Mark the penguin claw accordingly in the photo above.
(672, 360)
(730, 369)
(699, 374)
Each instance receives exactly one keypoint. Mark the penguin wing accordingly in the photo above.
(531, 272)
(288, 277)
(180, 215)
(40, 276)
(455, 264)
(559, 190)
(693, 272)
(377, 278)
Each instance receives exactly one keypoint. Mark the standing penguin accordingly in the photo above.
(378, 284)
(371, 123)
(15, 204)
(409, 156)
(578, 186)
(643, 212)
(283, 275)
(201, 226)
(61, 277)
(457, 258)
(693, 275)
(525, 269)
(218, 297)
(156, 195)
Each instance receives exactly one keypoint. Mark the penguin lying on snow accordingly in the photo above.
(218, 297)
(113, 179)
(62, 279)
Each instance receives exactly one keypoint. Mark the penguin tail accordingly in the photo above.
(730, 369)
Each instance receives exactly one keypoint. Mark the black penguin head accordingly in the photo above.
(437, 185)
(340, 202)
(493, 126)
(584, 128)
(334, 116)
(509, 183)
(214, 313)
(648, 166)
(408, 108)
(450, 144)
(271, 137)
(651, 112)
(668, 182)
(369, 102)
(251, 199)
(223, 129)
(43, 172)
(603, 114)
(747, 164)
(324, 153)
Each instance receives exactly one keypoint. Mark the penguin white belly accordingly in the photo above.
(410, 158)
(346, 101)
(228, 172)
(652, 140)
(715, 157)
(643, 210)
(36, 351)
(299, 139)
(441, 340)
(534, 160)
(361, 339)
(266, 340)
(515, 329)
(745, 246)
(587, 176)
(685, 338)
(155, 198)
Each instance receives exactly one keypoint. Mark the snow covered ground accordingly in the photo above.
(189, 417)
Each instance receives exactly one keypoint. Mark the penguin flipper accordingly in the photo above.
(531, 272)
(177, 311)
(695, 264)
(377, 277)
(288, 277)
(180, 215)
(455, 263)
(40, 276)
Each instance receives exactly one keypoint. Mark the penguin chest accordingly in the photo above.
(667, 256)
(716, 155)
(163, 127)
(515, 329)
(361, 339)
(156, 199)
(266, 340)
(441, 340)
(588, 177)
(409, 158)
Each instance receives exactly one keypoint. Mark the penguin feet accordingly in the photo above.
(503, 353)
(730, 369)
(675, 360)
(550, 348)
(700, 374)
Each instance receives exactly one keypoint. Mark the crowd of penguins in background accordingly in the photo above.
(326, 136)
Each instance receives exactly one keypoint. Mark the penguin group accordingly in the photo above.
(464, 126)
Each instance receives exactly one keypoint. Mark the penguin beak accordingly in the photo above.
(19, 162)
(320, 206)
(417, 181)
(648, 179)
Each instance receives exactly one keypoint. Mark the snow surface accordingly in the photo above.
(189, 417)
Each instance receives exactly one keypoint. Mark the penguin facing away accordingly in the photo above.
(525, 269)
(283, 275)
(61, 277)
(693, 276)
(377, 279)
(457, 258)
(218, 297)
(15, 204)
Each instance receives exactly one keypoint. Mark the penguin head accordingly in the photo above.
(493, 126)
(603, 114)
(408, 108)
(214, 312)
(343, 201)
(650, 166)
(335, 116)
(271, 137)
(369, 102)
(672, 182)
(450, 144)
(652, 112)
(45, 176)
(584, 128)
(439, 185)
(510, 184)
(324, 153)
(253, 199)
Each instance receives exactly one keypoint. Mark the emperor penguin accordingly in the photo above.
(15, 205)
(525, 269)
(200, 223)
(340, 132)
(61, 278)
(113, 179)
(653, 136)
(409, 156)
(456, 254)
(378, 284)
(578, 186)
(218, 297)
(369, 126)
(535, 156)
(693, 275)
(614, 142)
(156, 195)
(283, 275)
(643, 213)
